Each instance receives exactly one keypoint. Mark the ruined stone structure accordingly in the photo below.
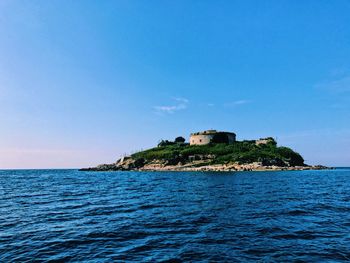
(265, 141)
(205, 137)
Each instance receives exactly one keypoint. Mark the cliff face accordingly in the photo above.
(244, 155)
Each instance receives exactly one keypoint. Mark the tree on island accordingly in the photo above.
(180, 139)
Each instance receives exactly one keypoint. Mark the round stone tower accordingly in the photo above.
(206, 137)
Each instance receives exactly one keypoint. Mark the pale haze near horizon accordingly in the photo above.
(85, 82)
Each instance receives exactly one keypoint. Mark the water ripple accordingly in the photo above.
(66, 215)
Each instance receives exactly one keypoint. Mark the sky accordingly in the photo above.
(85, 82)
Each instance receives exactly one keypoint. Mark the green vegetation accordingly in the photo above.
(220, 153)
(178, 141)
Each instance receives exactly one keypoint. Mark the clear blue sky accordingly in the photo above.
(82, 82)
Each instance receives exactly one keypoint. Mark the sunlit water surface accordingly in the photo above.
(67, 215)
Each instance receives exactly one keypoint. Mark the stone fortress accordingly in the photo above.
(205, 137)
(214, 136)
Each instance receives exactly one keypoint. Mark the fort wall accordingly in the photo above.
(201, 139)
(205, 137)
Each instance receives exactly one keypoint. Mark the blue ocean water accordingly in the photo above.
(67, 215)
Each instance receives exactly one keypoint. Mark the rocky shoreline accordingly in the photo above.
(130, 164)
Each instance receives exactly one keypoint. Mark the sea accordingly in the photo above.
(73, 216)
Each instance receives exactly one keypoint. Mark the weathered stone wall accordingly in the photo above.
(231, 137)
(264, 141)
(201, 139)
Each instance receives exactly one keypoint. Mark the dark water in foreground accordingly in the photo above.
(66, 215)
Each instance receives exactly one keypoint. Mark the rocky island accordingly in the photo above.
(211, 151)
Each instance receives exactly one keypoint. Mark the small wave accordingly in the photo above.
(297, 212)
(174, 217)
